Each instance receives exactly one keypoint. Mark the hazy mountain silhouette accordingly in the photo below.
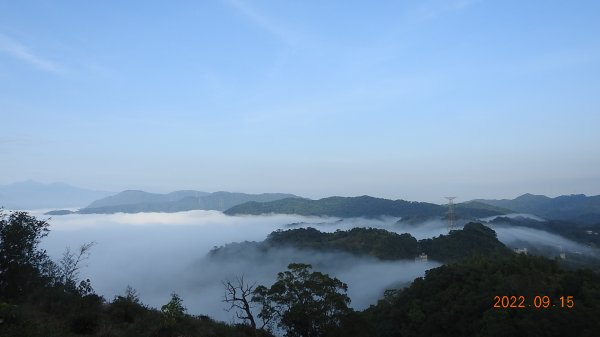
(178, 201)
(132, 197)
(577, 207)
(31, 194)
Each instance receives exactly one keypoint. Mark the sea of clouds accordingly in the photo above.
(161, 253)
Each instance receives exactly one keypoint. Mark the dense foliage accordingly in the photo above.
(39, 298)
(458, 299)
(474, 239)
(304, 303)
(378, 243)
(22, 265)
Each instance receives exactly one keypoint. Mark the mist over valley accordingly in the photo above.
(158, 253)
(243, 168)
(161, 253)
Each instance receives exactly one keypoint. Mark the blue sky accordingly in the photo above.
(399, 99)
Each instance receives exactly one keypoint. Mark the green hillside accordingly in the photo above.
(475, 239)
(363, 206)
(577, 207)
(458, 300)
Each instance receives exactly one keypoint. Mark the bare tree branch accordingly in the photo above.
(72, 262)
(238, 295)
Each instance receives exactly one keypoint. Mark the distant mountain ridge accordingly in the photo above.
(31, 194)
(132, 201)
(363, 206)
(576, 207)
(132, 197)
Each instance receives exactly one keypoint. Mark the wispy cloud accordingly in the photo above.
(19, 51)
(284, 34)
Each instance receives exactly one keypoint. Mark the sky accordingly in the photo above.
(399, 99)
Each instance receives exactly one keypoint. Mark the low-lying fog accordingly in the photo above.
(158, 253)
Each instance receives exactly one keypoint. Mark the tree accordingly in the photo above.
(69, 266)
(127, 307)
(238, 296)
(303, 303)
(174, 311)
(22, 264)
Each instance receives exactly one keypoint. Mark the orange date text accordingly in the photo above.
(536, 302)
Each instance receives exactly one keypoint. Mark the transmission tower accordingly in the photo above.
(451, 214)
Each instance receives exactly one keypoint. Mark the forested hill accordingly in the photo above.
(374, 242)
(475, 239)
(363, 206)
(576, 207)
(458, 300)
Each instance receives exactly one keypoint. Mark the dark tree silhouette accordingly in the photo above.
(304, 303)
(238, 296)
(22, 264)
(69, 266)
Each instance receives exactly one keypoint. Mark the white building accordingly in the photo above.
(520, 250)
(421, 258)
